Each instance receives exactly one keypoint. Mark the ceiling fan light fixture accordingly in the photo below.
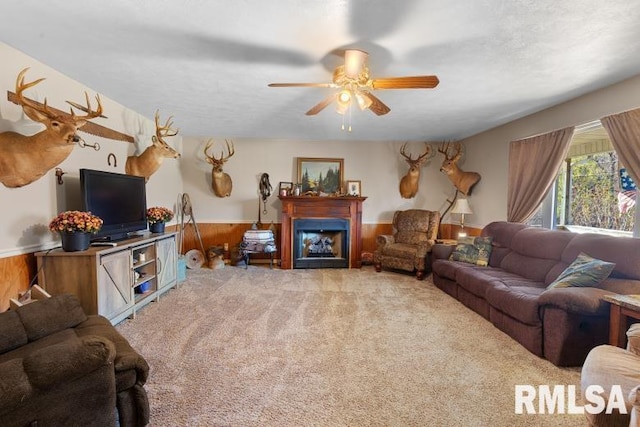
(354, 60)
(343, 101)
(344, 97)
(363, 100)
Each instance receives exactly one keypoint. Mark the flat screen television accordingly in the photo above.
(119, 199)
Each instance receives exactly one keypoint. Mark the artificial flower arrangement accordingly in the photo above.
(159, 214)
(76, 221)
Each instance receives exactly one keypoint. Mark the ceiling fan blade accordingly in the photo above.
(331, 85)
(377, 106)
(414, 82)
(321, 105)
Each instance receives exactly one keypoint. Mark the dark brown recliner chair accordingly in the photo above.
(414, 233)
(61, 367)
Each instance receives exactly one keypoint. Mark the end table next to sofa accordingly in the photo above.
(623, 307)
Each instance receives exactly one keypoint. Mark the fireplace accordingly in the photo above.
(321, 232)
(321, 243)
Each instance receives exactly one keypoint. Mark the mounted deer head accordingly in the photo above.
(409, 182)
(150, 160)
(463, 181)
(220, 181)
(24, 159)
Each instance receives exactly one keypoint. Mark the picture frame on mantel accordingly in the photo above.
(285, 188)
(323, 176)
(354, 188)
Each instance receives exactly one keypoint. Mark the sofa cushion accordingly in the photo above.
(400, 250)
(586, 301)
(541, 243)
(12, 333)
(535, 251)
(475, 281)
(46, 316)
(476, 251)
(478, 279)
(621, 250)
(518, 301)
(127, 359)
(528, 267)
(68, 360)
(584, 271)
(26, 349)
(447, 269)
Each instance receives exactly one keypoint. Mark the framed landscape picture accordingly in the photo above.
(320, 175)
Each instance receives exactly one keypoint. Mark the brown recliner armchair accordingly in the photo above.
(414, 233)
(60, 367)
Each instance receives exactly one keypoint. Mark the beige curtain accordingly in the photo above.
(624, 131)
(533, 165)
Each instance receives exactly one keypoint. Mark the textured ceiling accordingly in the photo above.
(208, 63)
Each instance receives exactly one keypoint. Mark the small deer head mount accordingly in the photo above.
(409, 182)
(220, 181)
(463, 181)
(24, 159)
(147, 163)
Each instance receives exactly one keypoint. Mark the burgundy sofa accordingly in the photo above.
(559, 324)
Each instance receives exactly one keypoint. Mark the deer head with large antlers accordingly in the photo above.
(150, 160)
(24, 159)
(463, 181)
(409, 182)
(220, 181)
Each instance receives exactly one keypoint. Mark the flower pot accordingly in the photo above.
(73, 241)
(156, 227)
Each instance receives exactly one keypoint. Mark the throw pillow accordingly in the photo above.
(584, 271)
(477, 251)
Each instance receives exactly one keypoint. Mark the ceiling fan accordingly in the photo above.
(354, 82)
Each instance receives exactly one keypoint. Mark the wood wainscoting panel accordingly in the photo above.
(370, 232)
(217, 234)
(17, 271)
(15, 274)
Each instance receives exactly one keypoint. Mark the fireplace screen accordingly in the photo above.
(321, 243)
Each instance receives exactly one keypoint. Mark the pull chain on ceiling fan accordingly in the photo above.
(354, 82)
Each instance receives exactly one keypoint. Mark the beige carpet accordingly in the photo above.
(335, 347)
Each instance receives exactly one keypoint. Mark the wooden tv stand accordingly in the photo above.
(113, 281)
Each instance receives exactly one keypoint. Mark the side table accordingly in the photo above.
(450, 242)
(256, 242)
(623, 307)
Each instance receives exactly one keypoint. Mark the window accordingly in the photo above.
(592, 191)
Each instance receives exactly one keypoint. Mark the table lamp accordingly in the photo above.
(461, 207)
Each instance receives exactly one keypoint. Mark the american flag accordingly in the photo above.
(627, 193)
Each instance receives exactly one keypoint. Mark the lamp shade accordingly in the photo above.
(461, 207)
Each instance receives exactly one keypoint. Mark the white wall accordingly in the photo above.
(378, 165)
(26, 211)
(488, 152)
